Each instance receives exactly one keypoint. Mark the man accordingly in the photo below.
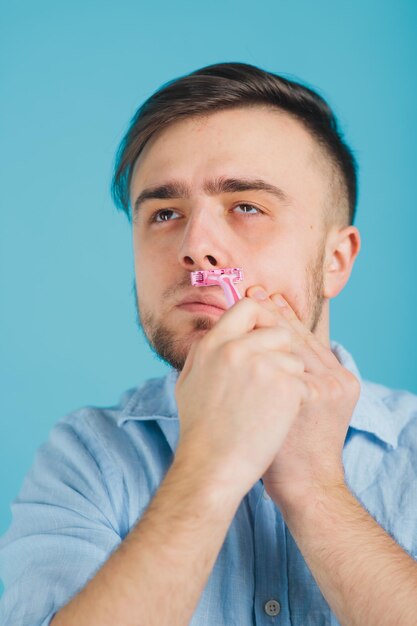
(262, 481)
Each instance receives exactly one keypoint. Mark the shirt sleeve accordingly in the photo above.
(64, 527)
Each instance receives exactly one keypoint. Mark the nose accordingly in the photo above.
(204, 244)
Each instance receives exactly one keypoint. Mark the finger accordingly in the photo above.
(285, 362)
(275, 339)
(306, 389)
(271, 364)
(258, 293)
(302, 349)
(243, 317)
(284, 338)
(324, 354)
(312, 386)
(300, 344)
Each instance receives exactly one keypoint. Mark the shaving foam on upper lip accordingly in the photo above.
(225, 277)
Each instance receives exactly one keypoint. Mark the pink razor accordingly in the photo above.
(225, 277)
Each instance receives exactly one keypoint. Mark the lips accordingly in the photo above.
(206, 299)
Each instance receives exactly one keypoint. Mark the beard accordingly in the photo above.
(172, 348)
(165, 343)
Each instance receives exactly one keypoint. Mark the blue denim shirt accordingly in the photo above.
(95, 476)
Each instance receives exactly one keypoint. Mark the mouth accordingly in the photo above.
(201, 307)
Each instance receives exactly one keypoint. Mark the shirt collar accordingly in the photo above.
(371, 413)
(155, 400)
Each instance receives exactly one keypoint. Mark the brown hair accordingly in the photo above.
(231, 85)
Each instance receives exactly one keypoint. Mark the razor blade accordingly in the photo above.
(225, 277)
(204, 278)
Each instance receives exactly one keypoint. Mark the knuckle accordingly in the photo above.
(313, 390)
(348, 378)
(294, 389)
(333, 386)
(285, 337)
(258, 308)
(353, 384)
(298, 364)
(260, 367)
(231, 352)
(286, 382)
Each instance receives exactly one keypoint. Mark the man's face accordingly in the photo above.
(205, 218)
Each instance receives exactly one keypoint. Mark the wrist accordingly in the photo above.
(302, 498)
(215, 480)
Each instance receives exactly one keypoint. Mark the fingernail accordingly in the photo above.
(279, 301)
(260, 295)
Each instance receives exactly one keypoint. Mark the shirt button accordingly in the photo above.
(272, 608)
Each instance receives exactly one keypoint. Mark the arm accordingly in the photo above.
(66, 524)
(228, 437)
(159, 571)
(366, 578)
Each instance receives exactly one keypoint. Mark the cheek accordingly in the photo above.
(147, 257)
(281, 269)
(286, 275)
(147, 273)
(298, 303)
(156, 277)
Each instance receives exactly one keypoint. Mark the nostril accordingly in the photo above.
(190, 261)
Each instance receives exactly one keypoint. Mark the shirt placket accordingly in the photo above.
(271, 580)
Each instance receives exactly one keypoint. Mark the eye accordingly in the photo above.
(164, 214)
(247, 208)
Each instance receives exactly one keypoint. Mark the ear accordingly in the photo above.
(342, 248)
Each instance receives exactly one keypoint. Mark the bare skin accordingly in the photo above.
(166, 559)
(300, 398)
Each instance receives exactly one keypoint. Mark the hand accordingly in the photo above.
(310, 459)
(237, 395)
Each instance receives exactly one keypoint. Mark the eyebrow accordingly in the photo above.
(177, 189)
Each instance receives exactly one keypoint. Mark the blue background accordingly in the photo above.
(72, 75)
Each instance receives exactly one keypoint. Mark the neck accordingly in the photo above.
(322, 331)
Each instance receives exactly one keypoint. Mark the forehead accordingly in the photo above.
(243, 142)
